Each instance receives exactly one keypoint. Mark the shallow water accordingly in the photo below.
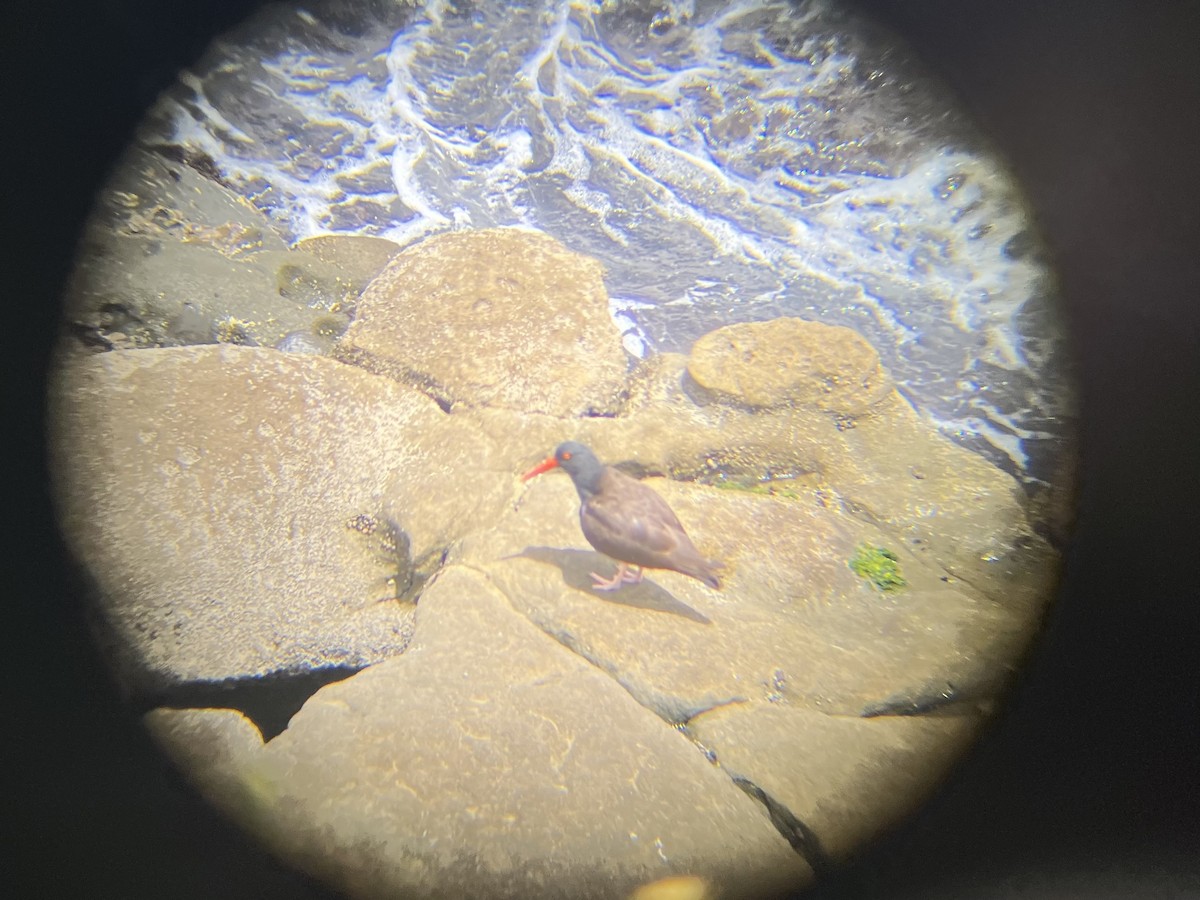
(726, 162)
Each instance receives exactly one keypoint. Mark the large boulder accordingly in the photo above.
(499, 317)
(790, 362)
(229, 504)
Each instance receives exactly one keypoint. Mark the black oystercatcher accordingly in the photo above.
(625, 519)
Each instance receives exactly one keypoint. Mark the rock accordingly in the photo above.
(230, 506)
(675, 887)
(306, 342)
(848, 780)
(790, 362)
(461, 486)
(888, 467)
(791, 611)
(499, 317)
(244, 511)
(173, 257)
(169, 191)
(942, 501)
(357, 258)
(163, 291)
(489, 762)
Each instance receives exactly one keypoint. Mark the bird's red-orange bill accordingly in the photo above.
(544, 466)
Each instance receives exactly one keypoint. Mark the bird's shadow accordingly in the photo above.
(577, 565)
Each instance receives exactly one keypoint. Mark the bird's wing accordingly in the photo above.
(634, 524)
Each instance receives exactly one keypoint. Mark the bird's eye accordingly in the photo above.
(567, 455)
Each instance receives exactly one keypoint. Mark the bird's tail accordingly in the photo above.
(706, 571)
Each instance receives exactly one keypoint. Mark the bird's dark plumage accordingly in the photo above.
(627, 520)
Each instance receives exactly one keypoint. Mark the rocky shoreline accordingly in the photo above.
(245, 511)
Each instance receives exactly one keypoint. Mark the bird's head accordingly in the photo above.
(577, 460)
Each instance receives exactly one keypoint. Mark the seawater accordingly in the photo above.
(727, 162)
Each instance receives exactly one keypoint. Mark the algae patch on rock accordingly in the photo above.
(879, 566)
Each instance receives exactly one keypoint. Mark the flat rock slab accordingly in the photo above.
(792, 617)
(224, 498)
(847, 779)
(498, 317)
(488, 761)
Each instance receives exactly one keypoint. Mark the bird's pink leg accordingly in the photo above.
(611, 584)
(633, 577)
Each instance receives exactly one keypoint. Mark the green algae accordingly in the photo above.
(879, 566)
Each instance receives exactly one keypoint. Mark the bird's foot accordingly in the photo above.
(600, 583)
(624, 575)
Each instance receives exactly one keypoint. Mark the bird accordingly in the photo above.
(627, 521)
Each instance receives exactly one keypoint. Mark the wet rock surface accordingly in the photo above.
(245, 511)
(174, 258)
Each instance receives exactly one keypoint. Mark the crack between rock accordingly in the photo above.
(801, 838)
(909, 707)
(675, 713)
(671, 711)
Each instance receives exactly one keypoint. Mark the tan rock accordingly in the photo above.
(847, 779)
(220, 752)
(790, 362)
(943, 501)
(461, 485)
(173, 193)
(172, 257)
(243, 511)
(890, 468)
(171, 291)
(225, 500)
(790, 612)
(489, 762)
(357, 258)
(499, 317)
